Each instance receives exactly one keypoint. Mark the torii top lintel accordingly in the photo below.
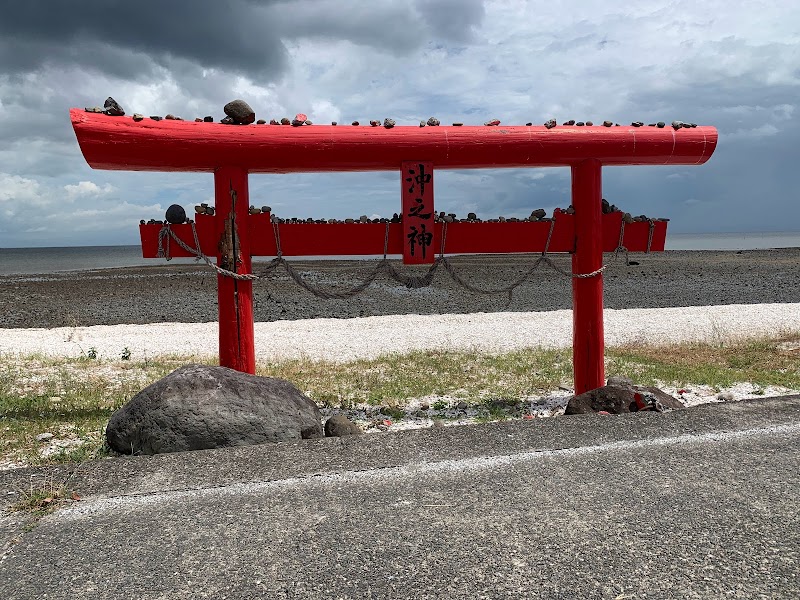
(120, 143)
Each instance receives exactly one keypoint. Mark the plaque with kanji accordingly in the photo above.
(418, 212)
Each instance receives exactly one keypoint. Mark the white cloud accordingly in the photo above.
(726, 64)
(87, 189)
(20, 191)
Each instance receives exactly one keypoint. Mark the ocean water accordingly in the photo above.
(27, 261)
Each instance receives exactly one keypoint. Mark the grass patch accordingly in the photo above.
(42, 499)
(762, 362)
(391, 380)
(74, 398)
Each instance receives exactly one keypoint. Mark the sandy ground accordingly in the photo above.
(368, 337)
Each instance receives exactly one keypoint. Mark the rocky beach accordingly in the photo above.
(167, 293)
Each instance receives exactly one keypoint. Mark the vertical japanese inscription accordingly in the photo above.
(418, 212)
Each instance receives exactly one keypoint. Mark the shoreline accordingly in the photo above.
(187, 293)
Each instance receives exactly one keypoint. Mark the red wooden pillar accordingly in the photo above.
(587, 293)
(235, 297)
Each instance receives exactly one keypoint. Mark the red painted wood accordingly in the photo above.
(236, 331)
(416, 183)
(587, 293)
(367, 239)
(342, 239)
(119, 143)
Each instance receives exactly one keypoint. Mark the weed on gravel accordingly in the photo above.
(73, 398)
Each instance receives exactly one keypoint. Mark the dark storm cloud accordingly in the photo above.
(232, 34)
(453, 20)
(122, 38)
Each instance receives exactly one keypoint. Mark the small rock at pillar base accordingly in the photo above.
(340, 426)
(617, 399)
(176, 214)
(240, 112)
(113, 108)
(619, 381)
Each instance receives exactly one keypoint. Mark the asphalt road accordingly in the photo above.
(701, 503)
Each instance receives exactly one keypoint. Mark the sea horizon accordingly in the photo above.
(56, 259)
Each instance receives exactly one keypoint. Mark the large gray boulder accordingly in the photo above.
(198, 407)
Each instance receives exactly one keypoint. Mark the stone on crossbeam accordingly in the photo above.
(240, 112)
(200, 407)
(113, 108)
(176, 214)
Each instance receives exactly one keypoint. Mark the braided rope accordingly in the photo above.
(385, 266)
(650, 235)
(167, 233)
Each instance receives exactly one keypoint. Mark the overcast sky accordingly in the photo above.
(733, 65)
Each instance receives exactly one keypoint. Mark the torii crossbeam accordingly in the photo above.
(231, 152)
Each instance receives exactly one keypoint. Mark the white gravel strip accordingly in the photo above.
(368, 337)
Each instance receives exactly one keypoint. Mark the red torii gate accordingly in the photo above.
(234, 235)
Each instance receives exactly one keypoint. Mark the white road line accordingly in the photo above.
(91, 507)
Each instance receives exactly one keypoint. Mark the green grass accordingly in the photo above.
(760, 362)
(42, 499)
(74, 398)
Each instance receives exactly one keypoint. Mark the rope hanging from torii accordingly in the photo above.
(384, 265)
